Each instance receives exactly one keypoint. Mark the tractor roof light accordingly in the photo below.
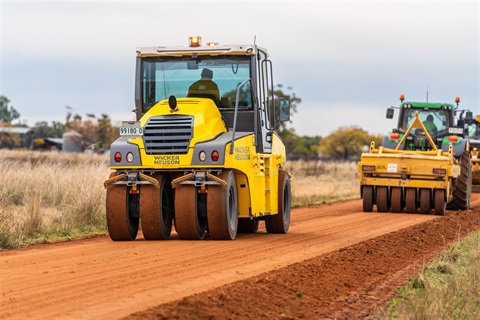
(452, 139)
(402, 97)
(195, 41)
(394, 136)
(457, 100)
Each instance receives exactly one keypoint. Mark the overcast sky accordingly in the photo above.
(347, 60)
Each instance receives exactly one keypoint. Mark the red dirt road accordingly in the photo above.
(254, 276)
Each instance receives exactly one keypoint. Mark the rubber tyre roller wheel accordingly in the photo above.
(280, 222)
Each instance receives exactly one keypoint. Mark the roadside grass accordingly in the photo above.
(315, 182)
(47, 197)
(448, 288)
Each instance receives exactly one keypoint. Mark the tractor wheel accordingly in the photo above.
(439, 202)
(396, 200)
(411, 200)
(156, 209)
(280, 222)
(425, 201)
(222, 208)
(188, 223)
(367, 198)
(463, 184)
(122, 213)
(382, 199)
(247, 225)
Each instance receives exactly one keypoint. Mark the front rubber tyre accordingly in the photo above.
(222, 208)
(121, 206)
(156, 209)
(188, 223)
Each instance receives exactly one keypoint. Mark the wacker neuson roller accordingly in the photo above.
(424, 164)
(203, 155)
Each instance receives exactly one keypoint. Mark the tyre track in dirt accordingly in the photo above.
(98, 278)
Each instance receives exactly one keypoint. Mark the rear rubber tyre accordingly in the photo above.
(247, 225)
(188, 223)
(367, 198)
(120, 206)
(463, 185)
(382, 199)
(280, 222)
(222, 208)
(411, 200)
(439, 202)
(156, 209)
(396, 200)
(425, 201)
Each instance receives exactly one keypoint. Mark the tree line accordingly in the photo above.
(98, 132)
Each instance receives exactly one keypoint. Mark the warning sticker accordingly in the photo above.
(392, 167)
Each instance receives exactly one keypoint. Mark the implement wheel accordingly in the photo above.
(396, 200)
(382, 199)
(156, 209)
(188, 223)
(122, 213)
(425, 201)
(222, 207)
(439, 202)
(367, 198)
(411, 200)
(280, 223)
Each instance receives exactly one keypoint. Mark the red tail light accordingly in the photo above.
(118, 157)
(215, 156)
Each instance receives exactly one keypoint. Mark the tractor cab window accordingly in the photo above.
(162, 77)
(434, 120)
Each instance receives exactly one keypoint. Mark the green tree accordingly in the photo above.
(347, 142)
(7, 113)
(278, 92)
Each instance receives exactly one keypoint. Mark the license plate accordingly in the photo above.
(131, 129)
(454, 130)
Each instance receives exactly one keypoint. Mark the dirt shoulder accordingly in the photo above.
(349, 283)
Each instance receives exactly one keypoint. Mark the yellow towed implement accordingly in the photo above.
(418, 168)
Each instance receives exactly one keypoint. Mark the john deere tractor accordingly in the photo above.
(423, 165)
(204, 158)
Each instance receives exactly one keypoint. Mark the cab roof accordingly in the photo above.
(180, 51)
(429, 105)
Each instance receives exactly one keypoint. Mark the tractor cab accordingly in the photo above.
(424, 124)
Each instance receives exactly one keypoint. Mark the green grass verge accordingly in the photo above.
(448, 288)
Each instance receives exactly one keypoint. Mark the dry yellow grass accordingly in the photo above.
(49, 195)
(323, 181)
(45, 196)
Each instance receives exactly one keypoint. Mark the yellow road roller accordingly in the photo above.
(203, 155)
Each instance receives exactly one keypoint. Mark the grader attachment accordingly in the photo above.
(418, 168)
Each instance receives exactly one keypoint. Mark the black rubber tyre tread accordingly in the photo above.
(280, 222)
(463, 185)
(439, 202)
(367, 198)
(222, 208)
(425, 201)
(187, 222)
(396, 200)
(247, 225)
(411, 200)
(121, 227)
(156, 209)
(382, 199)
